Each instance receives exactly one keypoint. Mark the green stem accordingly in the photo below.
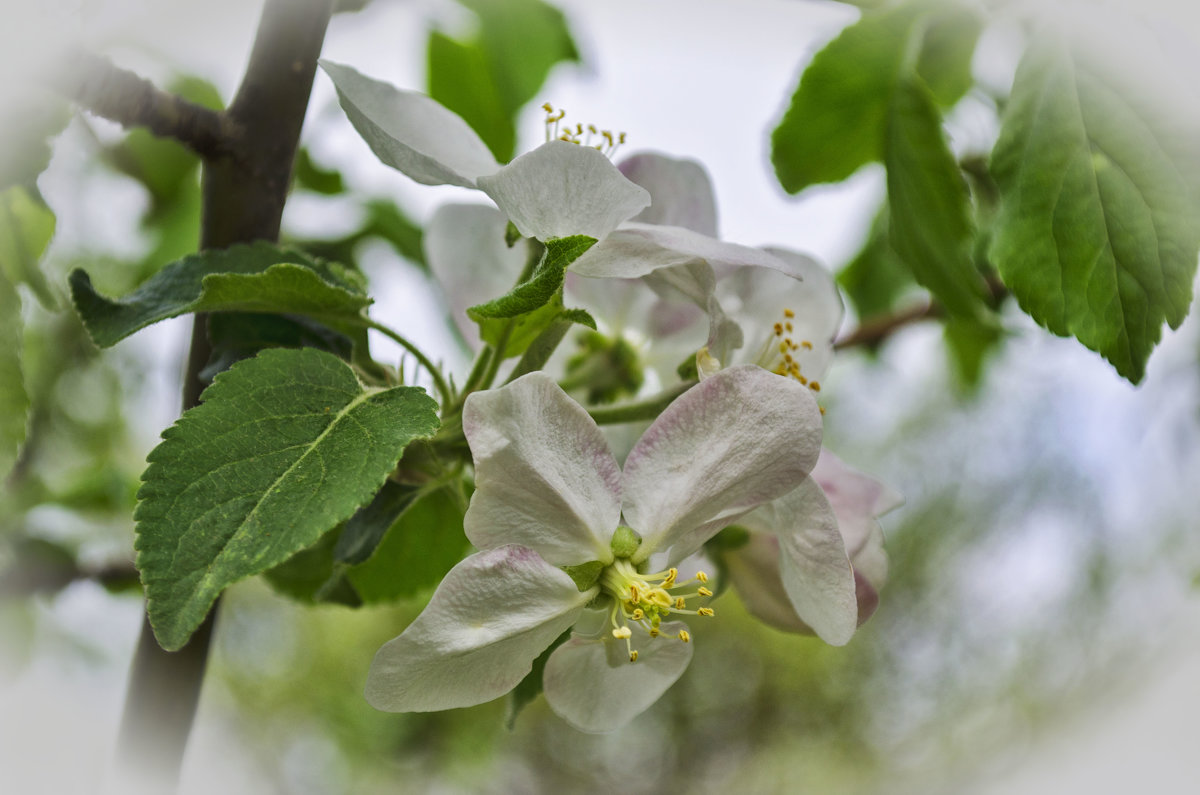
(434, 373)
(646, 409)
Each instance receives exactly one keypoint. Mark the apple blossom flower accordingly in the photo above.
(569, 539)
(559, 189)
(788, 572)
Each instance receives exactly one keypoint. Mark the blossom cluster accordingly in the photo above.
(598, 546)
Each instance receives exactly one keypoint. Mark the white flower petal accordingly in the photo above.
(857, 499)
(734, 441)
(871, 562)
(544, 476)
(464, 245)
(411, 132)
(491, 616)
(637, 249)
(562, 189)
(815, 570)
(754, 573)
(680, 191)
(591, 684)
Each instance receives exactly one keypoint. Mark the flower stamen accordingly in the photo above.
(646, 599)
(609, 141)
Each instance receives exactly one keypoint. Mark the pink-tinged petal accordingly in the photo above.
(465, 248)
(857, 499)
(591, 684)
(815, 570)
(411, 132)
(754, 573)
(491, 616)
(562, 189)
(731, 443)
(544, 476)
(637, 249)
(681, 193)
(871, 562)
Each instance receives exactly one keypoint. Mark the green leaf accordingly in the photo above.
(947, 49)
(1097, 232)
(489, 77)
(368, 526)
(837, 115)
(14, 399)
(533, 305)
(460, 78)
(417, 551)
(26, 226)
(313, 576)
(310, 176)
(876, 278)
(284, 447)
(969, 344)
(930, 225)
(259, 277)
(837, 119)
(240, 335)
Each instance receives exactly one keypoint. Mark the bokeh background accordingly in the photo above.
(1040, 632)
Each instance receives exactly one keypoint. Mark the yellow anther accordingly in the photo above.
(660, 597)
(680, 603)
(783, 347)
(637, 614)
(546, 106)
(622, 632)
(778, 329)
(579, 128)
(621, 138)
(635, 593)
(684, 636)
(814, 386)
(633, 656)
(705, 611)
(704, 592)
(803, 381)
(672, 574)
(822, 408)
(654, 632)
(806, 345)
(789, 327)
(789, 314)
(701, 576)
(592, 129)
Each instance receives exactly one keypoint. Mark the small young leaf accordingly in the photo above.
(284, 447)
(460, 79)
(876, 278)
(240, 335)
(947, 49)
(26, 226)
(14, 400)
(1098, 231)
(313, 576)
(259, 277)
(417, 551)
(930, 225)
(367, 527)
(969, 344)
(533, 305)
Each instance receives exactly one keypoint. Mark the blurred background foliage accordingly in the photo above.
(1043, 559)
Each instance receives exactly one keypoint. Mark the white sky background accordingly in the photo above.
(699, 78)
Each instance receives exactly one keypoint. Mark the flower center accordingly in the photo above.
(604, 141)
(646, 599)
(777, 353)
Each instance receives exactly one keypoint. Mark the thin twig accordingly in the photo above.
(876, 331)
(103, 88)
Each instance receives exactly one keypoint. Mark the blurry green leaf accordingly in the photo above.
(367, 527)
(1097, 233)
(534, 304)
(26, 226)
(969, 345)
(14, 399)
(930, 225)
(947, 49)
(876, 278)
(460, 78)
(417, 550)
(490, 77)
(258, 277)
(384, 220)
(530, 687)
(312, 575)
(310, 176)
(284, 447)
(837, 119)
(239, 335)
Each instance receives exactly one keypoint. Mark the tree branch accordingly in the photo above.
(243, 198)
(875, 331)
(119, 95)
